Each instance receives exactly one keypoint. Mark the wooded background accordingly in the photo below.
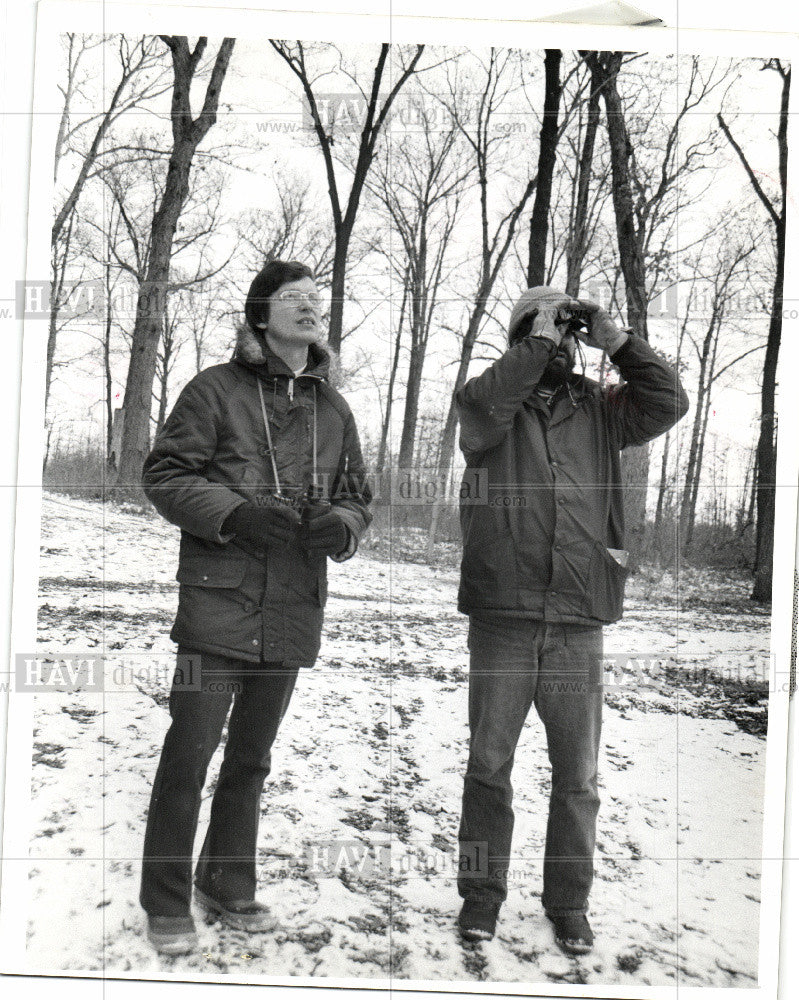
(426, 186)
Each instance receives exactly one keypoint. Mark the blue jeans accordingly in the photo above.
(515, 663)
(226, 866)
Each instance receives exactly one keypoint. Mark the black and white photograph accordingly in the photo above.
(406, 505)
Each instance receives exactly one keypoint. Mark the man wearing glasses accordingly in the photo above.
(260, 466)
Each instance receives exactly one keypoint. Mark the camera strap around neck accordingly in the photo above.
(269, 437)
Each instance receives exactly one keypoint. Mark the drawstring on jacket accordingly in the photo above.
(315, 476)
(314, 480)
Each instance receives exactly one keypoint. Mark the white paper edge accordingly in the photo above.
(54, 15)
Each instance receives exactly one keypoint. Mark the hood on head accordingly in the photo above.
(529, 302)
(252, 348)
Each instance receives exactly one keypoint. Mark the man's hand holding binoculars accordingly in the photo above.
(594, 327)
(560, 315)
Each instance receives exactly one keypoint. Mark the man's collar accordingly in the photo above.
(254, 352)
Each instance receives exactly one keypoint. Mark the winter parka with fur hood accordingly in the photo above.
(211, 456)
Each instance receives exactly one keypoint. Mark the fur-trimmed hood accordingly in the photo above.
(252, 348)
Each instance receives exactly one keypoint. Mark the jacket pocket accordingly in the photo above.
(606, 581)
(222, 573)
(216, 606)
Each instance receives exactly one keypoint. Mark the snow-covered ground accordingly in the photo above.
(371, 754)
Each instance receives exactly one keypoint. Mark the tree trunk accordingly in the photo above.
(410, 416)
(149, 325)
(691, 471)
(745, 509)
(417, 295)
(630, 250)
(109, 385)
(447, 449)
(693, 490)
(766, 475)
(577, 240)
(753, 494)
(163, 372)
(548, 144)
(767, 442)
(47, 449)
(52, 339)
(664, 476)
(381, 453)
(635, 461)
(336, 323)
(187, 133)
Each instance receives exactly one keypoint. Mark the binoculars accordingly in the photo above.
(578, 319)
(308, 504)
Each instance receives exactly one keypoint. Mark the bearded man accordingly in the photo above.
(543, 570)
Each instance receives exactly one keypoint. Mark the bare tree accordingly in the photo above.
(295, 230)
(767, 441)
(187, 134)
(723, 289)
(376, 108)
(644, 192)
(547, 152)
(420, 184)
(497, 228)
(136, 85)
(582, 211)
(131, 188)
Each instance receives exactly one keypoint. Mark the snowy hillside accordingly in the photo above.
(372, 754)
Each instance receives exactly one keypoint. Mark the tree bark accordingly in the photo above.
(577, 241)
(766, 483)
(767, 441)
(381, 453)
(109, 385)
(412, 392)
(187, 135)
(635, 461)
(664, 467)
(547, 149)
(631, 254)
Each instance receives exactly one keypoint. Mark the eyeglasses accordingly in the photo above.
(294, 297)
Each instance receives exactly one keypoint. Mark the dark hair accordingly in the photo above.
(272, 276)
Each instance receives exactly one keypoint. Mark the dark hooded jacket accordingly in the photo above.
(211, 456)
(542, 509)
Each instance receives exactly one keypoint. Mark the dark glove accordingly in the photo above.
(324, 533)
(262, 526)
